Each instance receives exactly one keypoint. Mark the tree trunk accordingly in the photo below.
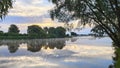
(116, 42)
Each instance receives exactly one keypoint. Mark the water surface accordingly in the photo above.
(77, 52)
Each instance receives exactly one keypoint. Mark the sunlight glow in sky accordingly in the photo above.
(30, 12)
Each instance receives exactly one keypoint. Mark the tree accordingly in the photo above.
(52, 32)
(103, 14)
(1, 32)
(13, 29)
(35, 31)
(74, 34)
(60, 32)
(46, 29)
(4, 6)
(116, 58)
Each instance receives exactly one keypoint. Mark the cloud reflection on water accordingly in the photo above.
(51, 56)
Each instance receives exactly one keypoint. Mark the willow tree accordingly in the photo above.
(4, 6)
(103, 14)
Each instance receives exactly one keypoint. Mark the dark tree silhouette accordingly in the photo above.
(34, 31)
(51, 32)
(103, 14)
(60, 32)
(13, 29)
(4, 6)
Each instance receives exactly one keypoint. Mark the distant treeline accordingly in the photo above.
(34, 32)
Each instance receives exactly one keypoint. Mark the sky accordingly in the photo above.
(32, 12)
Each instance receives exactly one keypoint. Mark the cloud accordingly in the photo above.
(23, 23)
(30, 7)
(22, 19)
(46, 22)
(29, 12)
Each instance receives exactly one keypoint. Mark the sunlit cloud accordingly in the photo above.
(77, 52)
(46, 22)
(33, 12)
(25, 61)
(91, 51)
(29, 12)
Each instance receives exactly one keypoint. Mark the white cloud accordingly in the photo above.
(46, 22)
(28, 12)
(30, 7)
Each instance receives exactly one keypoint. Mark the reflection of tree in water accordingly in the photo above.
(59, 44)
(74, 39)
(12, 45)
(1, 43)
(35, 46)
(116, 59)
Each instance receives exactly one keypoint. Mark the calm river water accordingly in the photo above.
(77, 52)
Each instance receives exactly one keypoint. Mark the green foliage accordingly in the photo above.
(1, 32)
(116, 58)
(52, 32)
(35, 31)
(4, 6)
(46, 29)
(74, 34)
(98, 31)
(60, 32)
(13, 36)
(103, 14)
(13, 29)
